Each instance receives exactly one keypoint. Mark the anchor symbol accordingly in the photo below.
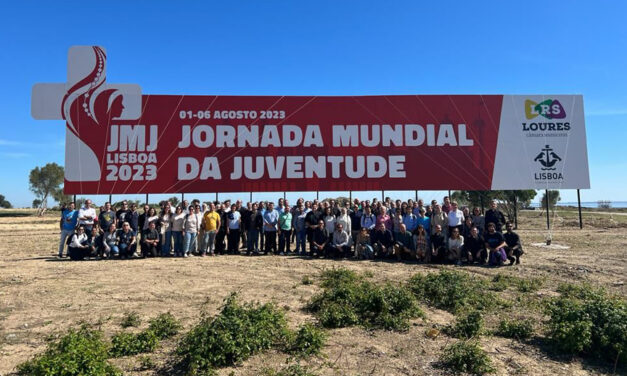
(547, 158)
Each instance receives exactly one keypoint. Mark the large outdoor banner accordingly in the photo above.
(119, 140)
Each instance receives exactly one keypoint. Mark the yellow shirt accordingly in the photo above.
(211, 220)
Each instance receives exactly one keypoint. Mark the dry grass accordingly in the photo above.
(40, 296)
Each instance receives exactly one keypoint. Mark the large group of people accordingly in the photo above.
(389, 229)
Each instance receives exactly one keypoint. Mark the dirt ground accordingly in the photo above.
(40, 296)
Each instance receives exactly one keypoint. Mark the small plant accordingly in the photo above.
(146, 363)
(125, 344)
(236, 333)
(306, 280)
(519, 329)
(466, 356)
(131, 319)
(529, 285)
(164, 326)
(500, 282)
(79, 352)
(337, 276)
(467, 326)
(452, 291)
(290, 370)
(308, 340)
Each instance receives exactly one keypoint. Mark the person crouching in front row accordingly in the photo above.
(79, 245)
(340, 243)
(404, 245)
(150, 241)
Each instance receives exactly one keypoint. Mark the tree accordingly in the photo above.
(511, 201)
(553, 196)
(36, 203)
(45, 182)
(4, 203)
(174, 201)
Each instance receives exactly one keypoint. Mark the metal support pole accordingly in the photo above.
(382, 196)
(317, 195)
(216, 196)
(146, 198)
(182, 197)
(251, 198)
(579, 206)
(416, 195)
(515, 213)
(350, 197)
(74, 199)
(449, 194)
(284, 195)
(546, 196)
(482, 207)
(110, 201)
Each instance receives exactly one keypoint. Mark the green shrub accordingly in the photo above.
(146, 363)
(592, 324)
(290, 370)
(236, 333)
(519, 329)
(131, 319)
(164, 326)
(452, 291)
(579, 291)
(79, 352)
(337, 276)
(308, 340)
(529, 285)
(466, 356)
(500, 282)
(126, 344)
(467, 326)
(347, 302)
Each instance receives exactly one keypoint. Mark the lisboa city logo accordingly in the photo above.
(550, 109)
(548, 159)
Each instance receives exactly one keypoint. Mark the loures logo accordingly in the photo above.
(548, 159)
(550, 109)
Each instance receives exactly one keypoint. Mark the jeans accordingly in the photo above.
(301, 239)
(252, 244)
(270, 237)
(125, 250)
(178, 242)
(64, 235)
(233, 237)
(284, 240)
(190, 240)
(167, 244)
(210, 241)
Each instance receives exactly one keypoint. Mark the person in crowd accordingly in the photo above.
(69, 219)
(86, 217)
(382, 241)
(142, 218)
(177, 226)
(446, 205)
(133, 220)
(211, 224)
(424, 220)
(339, 246)
(384, 217)
(355, 215)
(329, 220)
(106, 216)
(438, 245)
(363, 246)
(165, 220)
(126, 241)
(185, 206)
(421, 242)
(300, 228)
(255, 227)
(428, 213)
(150, 240)
(455, 218)
(439, 218)
(220, 247)
(397, 221)
(345, 220)
(285, 230)
(467, 227)
(478, 220)
(495, 244)
(270, 221)
(193, 221)
(494, 215)
(474, 247)
(245, 213)
(152, 216)
(234, 221)
(455, 246)
(404, 246)
(95, 243)
(122, 214)
(513, 246)
(78, 248)
(110, 242)
(368, 220)
(319, 240)
(410, 219)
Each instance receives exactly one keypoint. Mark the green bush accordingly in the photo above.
(131, 319)
(236, 333)
(467, 326)
(126, 344)
(529, 285)
(164, 326)
(308, 340)
(79, 352)
(519, 329)
(347, 302)
(466, 356)
(590, 323)
(500, 282)
(452, 291)
(146, 363)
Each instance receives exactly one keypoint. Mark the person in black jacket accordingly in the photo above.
(254, 224)
(438, 245)
(513, 246)
(221, 235)
(494, 215)
(319, 240)
(311, 221)
(150, 241)
(474, 247)
(382, 241)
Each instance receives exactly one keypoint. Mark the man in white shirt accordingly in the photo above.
(86, 217)
(455, 218)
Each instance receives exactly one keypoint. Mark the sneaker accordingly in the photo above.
(185, 255)
(281, 254)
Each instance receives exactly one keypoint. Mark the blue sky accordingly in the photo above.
(322, 48)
